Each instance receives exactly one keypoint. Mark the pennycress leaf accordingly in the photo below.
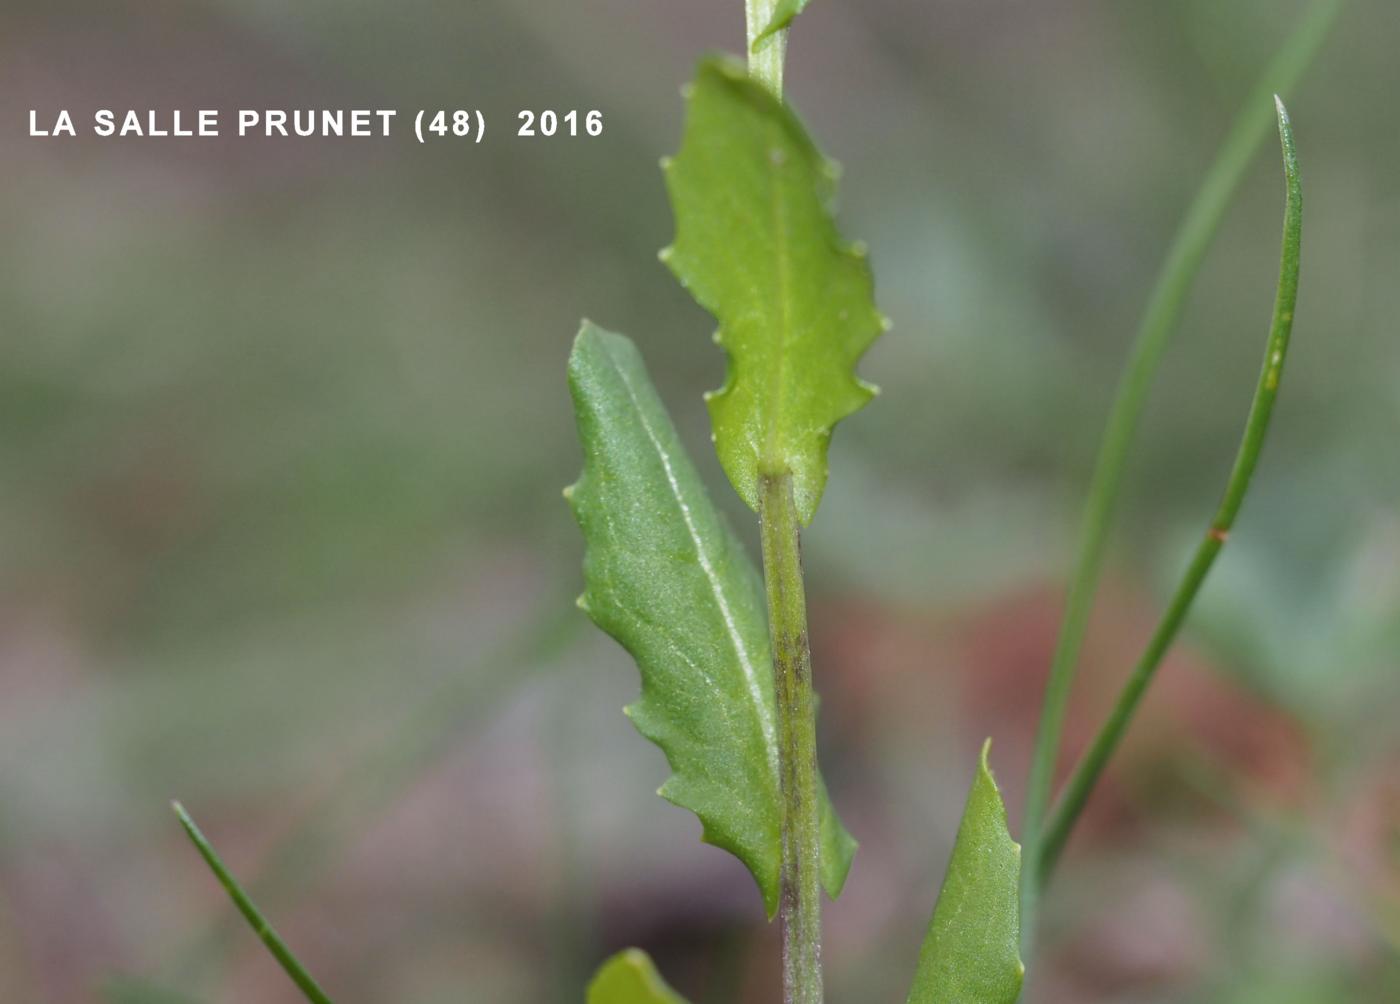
(630, 977)
(971, 952)
(756, 246)
(666, 576)
(784, 13)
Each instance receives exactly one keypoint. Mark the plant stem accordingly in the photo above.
(1159, 322)
(289, 962)
(1261, 410)
(800, 904)
(800, 901)
(765, 64)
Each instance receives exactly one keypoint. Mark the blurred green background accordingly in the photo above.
(283, 427)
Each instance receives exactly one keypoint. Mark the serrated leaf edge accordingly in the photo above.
(746, 660)
(808, 497)
(710, 833)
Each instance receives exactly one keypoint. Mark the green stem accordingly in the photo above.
(800, 902)
(1159, 322)
(1261, 410)
(293, 967)
(765, 61)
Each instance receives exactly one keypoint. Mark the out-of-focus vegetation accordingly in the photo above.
(283, 426)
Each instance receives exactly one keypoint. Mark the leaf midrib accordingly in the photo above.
(773, 463)
(746, 661)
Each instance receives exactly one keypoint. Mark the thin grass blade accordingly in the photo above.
(1085, 775)
(1159, 322)
(265, 931)
(374, 778)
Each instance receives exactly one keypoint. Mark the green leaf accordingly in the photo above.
(630, 977)
(666, 576)
(783, 15)
(756, 246)
(290, 964)
(971, 952)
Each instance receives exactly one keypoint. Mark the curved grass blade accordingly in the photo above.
(756, 246)
(1085, 775)
(630, 977)
(971, 952)
(784, 13)
(289, 962)
(1159, 322)
(667, 577)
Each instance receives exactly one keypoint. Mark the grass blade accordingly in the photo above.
(1246, 459)
(249, 909)
(376, 776)
(1159, 322)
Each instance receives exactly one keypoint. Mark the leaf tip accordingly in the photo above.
(186, 820)
(971, 950)
(587, 332)
(631, 976)
(783, 15)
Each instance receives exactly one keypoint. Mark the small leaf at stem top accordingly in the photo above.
(630, 977)
(783, 15)
(756, 246)
(666, 576)
(971, 952)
